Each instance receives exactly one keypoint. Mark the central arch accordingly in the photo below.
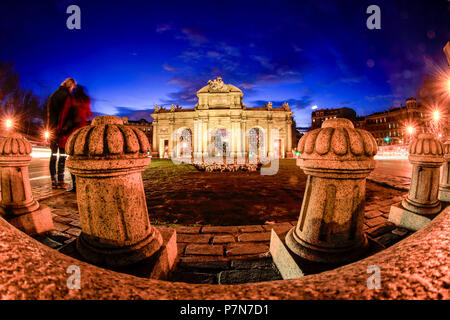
(220, 145)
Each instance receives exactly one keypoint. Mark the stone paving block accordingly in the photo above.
(60, 212)
(381, 229)
(194, 238)
(60, 227)
(238, 249)
(58, 236)
(262, 263)
(189, 230)
(278, 227)
(372, 214)
(375, 221)
(226, 238)
(75, 223)
(251, 229)
(219, 229)
(388, 239)
(254, 237)
(248, 276)
(204, 265)
(63, 220)
(400, 232)
(45, 240)
(194, 277)
(204, 249)
(73, 231)
(198, 258)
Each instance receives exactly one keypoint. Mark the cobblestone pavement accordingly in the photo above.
(230, 254)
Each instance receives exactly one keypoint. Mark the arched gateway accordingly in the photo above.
(220, 124)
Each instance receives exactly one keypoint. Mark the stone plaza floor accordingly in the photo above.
(212, 247)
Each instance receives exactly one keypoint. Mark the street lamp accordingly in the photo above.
(8, 124)
(436, 115)
(46, 135)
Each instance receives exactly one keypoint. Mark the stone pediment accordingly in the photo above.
(217, 94)
(218, 86)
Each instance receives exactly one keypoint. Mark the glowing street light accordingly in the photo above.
(8, 124)
(436, 115)
(410, 130)
(46, 134)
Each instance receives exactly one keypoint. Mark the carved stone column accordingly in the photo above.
(444, 188)
(426, 154)
(155, 139)
(337, 159)
(107, 158)
(17, 204)
(289, 138)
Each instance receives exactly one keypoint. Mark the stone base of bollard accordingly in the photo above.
(34, 222)
(404, 218)
(99, 252)
(160, 264)
(444, 195)
(157, 266)
(327, 255)
(283, 259)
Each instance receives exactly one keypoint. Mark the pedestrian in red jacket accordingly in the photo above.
(74, 115)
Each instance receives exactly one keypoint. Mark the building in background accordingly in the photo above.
(320, 115)
(142, 124)
(394, 126)
(220, 124)
(397, 125)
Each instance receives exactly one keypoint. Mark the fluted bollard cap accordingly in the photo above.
(14, 147)
(447, 150)
(337, 146)
(426, 148)
(107, 144)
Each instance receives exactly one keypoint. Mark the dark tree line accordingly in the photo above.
(22, 105)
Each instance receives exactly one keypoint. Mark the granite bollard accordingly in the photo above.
(426, 154)
(337, 159)
(107, 159)
(17, 203)
(444, 187)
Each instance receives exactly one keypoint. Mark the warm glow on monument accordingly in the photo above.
(410, 129)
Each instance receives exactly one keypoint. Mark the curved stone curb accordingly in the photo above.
(415, 268)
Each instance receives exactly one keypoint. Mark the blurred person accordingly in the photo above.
(54, 108)
(74, 115)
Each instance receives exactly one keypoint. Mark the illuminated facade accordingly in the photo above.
(221, 125)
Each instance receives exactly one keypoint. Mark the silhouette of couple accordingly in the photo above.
(68, 109)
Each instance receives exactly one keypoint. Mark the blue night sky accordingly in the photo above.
(132, 55)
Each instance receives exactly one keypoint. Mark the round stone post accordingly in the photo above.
(337, 159)
(444, 188)
(426, 154)
(107, 159)
(17, 204)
